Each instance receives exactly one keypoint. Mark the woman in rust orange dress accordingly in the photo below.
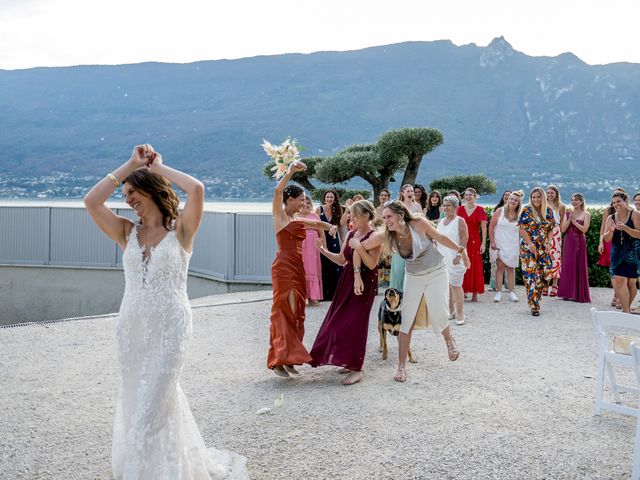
(287, 276)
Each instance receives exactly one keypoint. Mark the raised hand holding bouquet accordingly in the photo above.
(283, 154)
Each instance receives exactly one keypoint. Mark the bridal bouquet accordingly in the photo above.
(282, 154)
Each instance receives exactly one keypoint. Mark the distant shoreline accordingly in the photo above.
(218, 205)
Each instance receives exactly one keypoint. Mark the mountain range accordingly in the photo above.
(511, 116)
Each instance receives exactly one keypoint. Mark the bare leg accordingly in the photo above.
(450, 301)
(404, 341)
(499, 275)
(511, 278)
(620, 285)
(452, 348)
(633, 290)
(457, 296)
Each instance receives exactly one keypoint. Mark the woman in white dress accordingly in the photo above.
(155, 435)
(455, 228)
(426, 283)
(504, 238)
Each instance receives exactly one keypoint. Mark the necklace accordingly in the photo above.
(402, 236)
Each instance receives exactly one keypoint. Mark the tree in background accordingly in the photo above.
(483, 184)
(410, 143)
(362, 161)
(375, 163)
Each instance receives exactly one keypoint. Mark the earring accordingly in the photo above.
(402, 223)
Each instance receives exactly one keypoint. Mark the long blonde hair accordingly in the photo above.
(505, 207)
(558, 202)
(543, 203)
(390, 242)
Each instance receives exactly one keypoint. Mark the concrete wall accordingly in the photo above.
(31, 293)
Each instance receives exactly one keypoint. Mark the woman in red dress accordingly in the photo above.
(287, 276)
(476, 219)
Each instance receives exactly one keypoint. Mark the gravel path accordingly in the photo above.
(518, 404)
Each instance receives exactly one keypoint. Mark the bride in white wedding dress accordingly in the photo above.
(155, 436)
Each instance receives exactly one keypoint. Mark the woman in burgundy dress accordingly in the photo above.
(574, 276)
(476, 219)
(342, 338)
(287, 276)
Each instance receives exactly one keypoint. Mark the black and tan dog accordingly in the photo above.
(389, 319)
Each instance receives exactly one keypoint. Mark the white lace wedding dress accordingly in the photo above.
(155, 436)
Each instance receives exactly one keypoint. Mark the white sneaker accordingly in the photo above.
(512, 296)
(498, 297)
(460, 321)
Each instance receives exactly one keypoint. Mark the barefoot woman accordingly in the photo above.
(288, 277)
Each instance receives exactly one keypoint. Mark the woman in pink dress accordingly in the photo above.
(311, 256)
(574, 277)
(476, 219)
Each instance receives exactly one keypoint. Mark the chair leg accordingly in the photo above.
(599, 385)
(635, 474)
(614, 384)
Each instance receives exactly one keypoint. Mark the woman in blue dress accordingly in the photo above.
(623, 229)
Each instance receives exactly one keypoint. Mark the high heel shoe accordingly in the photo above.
(452, 349)
(401, 374)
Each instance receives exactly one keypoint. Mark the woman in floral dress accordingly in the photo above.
(536, 224)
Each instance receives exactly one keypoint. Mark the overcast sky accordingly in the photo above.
(78, 32)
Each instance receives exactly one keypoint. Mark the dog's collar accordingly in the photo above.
(394, 310)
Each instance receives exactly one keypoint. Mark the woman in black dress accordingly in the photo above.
(331, 212)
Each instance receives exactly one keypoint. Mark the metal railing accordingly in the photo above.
(229, 247)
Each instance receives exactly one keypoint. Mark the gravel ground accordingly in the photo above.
(518, 404)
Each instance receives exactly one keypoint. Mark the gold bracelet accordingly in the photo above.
(356, 270)
(114, 179)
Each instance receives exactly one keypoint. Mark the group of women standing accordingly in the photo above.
(342, 338)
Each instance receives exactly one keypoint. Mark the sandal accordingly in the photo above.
(553, 292)
(452, 349)
(280, 371)
(401, 374)
(291, 369)
(535, 313)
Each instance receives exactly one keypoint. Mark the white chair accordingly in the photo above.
(604, 322)
(635, 354)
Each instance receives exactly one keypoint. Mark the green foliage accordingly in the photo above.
(343, 193)
(410, 144)
(483, 184)
(598, 276)
(354, 161)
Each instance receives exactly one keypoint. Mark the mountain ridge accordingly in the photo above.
(515, 113)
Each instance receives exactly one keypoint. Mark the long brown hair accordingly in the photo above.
(159, 189)
(390, 243)
(336, 208)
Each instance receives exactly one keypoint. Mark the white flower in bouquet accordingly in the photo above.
(283, 155)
